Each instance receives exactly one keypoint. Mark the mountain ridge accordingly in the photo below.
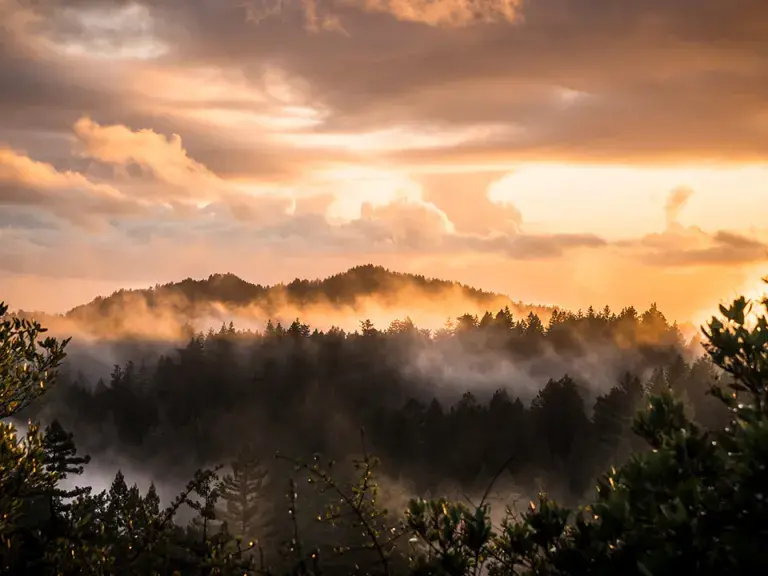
(343, 289)
(353, 295)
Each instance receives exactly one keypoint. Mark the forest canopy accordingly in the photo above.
(544, 388)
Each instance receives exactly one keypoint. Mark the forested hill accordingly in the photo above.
(355, 291)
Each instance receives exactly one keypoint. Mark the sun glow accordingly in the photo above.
(397, 138)
(624, 201)
(755, 292)
(759, 302)
(355, 186)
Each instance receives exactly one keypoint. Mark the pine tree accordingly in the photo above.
(62, 460)
(242, 493)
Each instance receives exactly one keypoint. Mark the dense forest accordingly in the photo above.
(494, 406)
(438, 408)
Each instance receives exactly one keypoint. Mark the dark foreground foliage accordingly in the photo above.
(692, 503)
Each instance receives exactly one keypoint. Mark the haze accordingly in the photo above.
(560, 151)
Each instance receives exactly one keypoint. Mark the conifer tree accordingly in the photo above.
(242, 495)
(62, 460)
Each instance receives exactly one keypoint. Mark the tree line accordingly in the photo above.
(203, 402)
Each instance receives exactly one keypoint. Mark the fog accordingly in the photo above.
(193, 400)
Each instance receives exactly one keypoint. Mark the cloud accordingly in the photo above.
(448, 13)
(688, 75)
(536, 246)
(412, 224)
(153, 177)
(316, 204)
(324, 16)
(683, 247)
(519, 76)
(676, 201)
(465, 201)
(165, 157)
(236, 226)
(317, 17)
(724, 249)
(680, 247)
(180, 201)
(185, 182)
(69, 195)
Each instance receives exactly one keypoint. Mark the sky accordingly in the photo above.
(568, 152)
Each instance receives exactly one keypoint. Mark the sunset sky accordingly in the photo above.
(568, 152)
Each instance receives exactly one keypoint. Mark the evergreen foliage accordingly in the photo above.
(244, 506)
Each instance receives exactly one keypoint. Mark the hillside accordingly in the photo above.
(360, 291)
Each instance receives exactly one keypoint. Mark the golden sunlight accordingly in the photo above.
(624, 201)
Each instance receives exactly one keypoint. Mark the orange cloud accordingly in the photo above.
(464, 199)
(724, 248)
(185, 182)
(69, 195)
(676, 201)
(681, 247)
(166, 158)
(408, 224)
(448, 13)
(445, 13)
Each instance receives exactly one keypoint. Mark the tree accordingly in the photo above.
(27, 364)
(31, 539)
(242, 492)
(612, 419)
(61, 459)
(298, 330)
(559, 401)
